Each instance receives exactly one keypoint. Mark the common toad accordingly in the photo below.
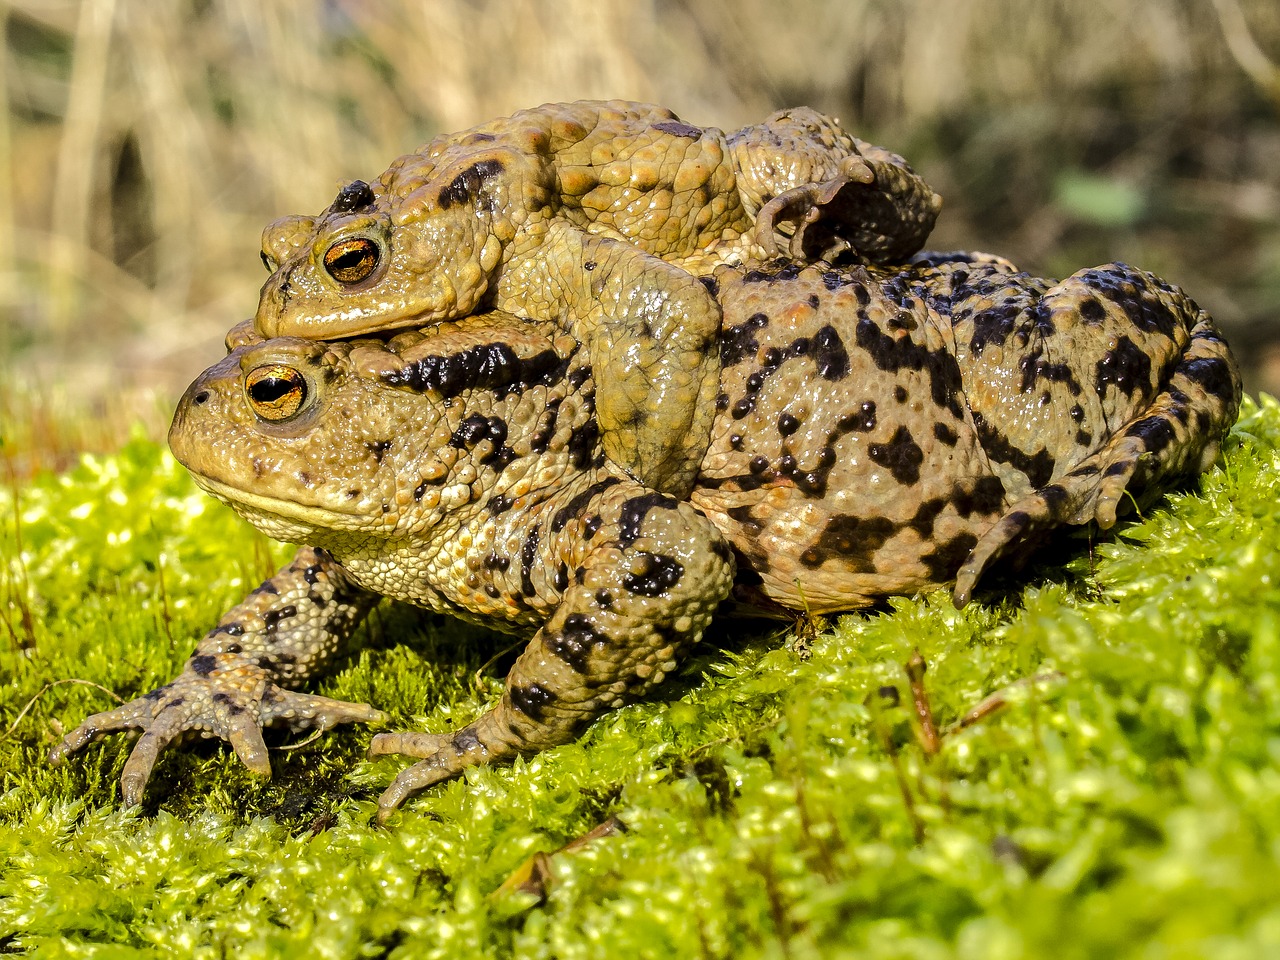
(876, 432)
(599, 216)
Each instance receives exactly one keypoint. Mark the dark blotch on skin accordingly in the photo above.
(739, 342)
(1156, 433)
(1126, 367)
(925, 515)
(773, 272)
(487, 366)
(271, 619)
(851, 540)
(660, 573)
(1055, 498)
(203, 665)
(1091, 311)
(477, 428)
(943, 562)
(892, 354)
(1035, 369)
(1038, 466)
(995, 324)
(528, 557)
(575, 507)
(467, 186)
(830, 355)
(902, 456)
(1211, 373)
(987, 497)
(574, 644)
(532, 700)
(233, 709)
(742, 514)
(678, 129)
(1137, 295)
(541, 438)
(582, 445)
(470, 432)
(856, 278)
(465, 741)
(635, 510)
(864, 419)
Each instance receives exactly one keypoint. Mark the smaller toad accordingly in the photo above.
(599, 217)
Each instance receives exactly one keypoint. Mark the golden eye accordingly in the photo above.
(352, 260)
(275, 392)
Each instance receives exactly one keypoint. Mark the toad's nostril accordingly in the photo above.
(200, 397)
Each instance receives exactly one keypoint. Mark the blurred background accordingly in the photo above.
(145, 143)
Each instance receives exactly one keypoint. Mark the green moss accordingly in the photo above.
(1125, 802)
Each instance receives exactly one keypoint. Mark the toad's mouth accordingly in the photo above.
(320, 517)
(356, 323)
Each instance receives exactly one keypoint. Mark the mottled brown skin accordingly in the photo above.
(876, 432)
(598, 216)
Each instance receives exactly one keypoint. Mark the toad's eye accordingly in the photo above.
(275, 392)
(351, 260)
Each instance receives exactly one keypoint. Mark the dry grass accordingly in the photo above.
(146, 143)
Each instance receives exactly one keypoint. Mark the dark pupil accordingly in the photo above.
(271, 389)
(350, 259)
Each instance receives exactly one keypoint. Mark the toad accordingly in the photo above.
(600, 216)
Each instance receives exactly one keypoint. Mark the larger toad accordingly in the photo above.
(598, 216)
(875, 433)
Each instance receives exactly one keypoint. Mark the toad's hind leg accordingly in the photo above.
(1177, 435)
(635, 603)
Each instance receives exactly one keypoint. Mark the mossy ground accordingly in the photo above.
(1124, 802)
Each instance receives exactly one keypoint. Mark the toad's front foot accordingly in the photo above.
(801, 207)
(876, 209)
(234, 709)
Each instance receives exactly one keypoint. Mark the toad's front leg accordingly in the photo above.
(652, 331)
(637, 599)
(236, 682)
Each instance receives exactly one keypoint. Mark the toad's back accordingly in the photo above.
(874, 432)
